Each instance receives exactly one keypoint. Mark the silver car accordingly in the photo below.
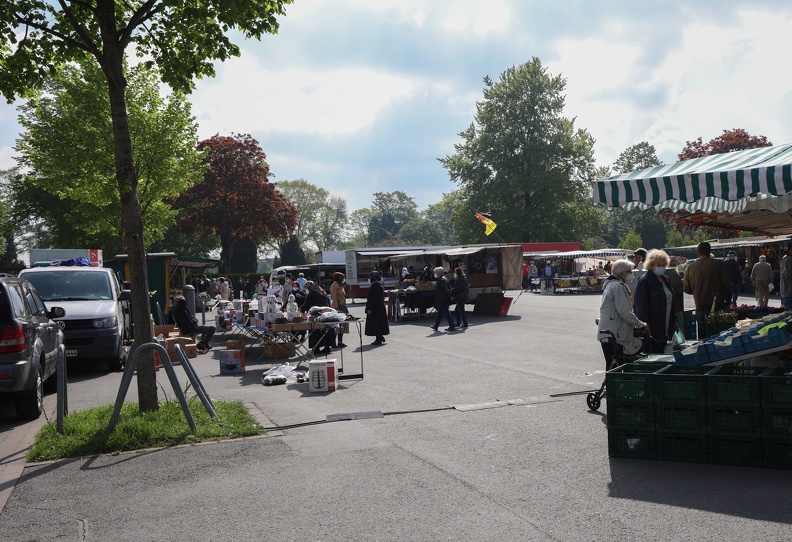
(29, 340)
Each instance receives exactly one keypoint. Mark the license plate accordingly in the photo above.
(71, 353)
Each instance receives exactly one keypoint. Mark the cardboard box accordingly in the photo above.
(191, 350)
(321, 375)
(235, 344)
(164, 330)
(279, 350)
(171, 342)
(231, 361)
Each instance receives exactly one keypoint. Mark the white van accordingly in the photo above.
(97, 321)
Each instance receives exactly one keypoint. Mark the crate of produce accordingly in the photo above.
(735, 420)
(632, 382)
(681, 418)
(777, 422)
(677, 384)
(690, 447)
(632, 443)
(736, 450)
(777, 453)
(725, 346)
(697, 353)
(777, 387)
(629, 415)
(774, 337)
(731, 385)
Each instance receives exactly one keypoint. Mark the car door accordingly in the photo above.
(47, 330)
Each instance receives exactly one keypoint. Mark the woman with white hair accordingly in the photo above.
(617, 321)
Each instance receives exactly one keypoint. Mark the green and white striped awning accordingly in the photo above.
(749, 189)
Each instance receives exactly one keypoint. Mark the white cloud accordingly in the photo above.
(248, 97)
(6, 158)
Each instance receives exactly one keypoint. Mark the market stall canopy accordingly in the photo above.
(602, 254)
(737, 242)
(744, 190)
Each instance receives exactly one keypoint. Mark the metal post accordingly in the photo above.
(196, 382)
(129, 371)
(63, 400)
(189, 296)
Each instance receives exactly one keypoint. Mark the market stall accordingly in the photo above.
(719, 399)
(579, 271)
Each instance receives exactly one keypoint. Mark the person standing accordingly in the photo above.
(786, 278)
(376, 315)
(525, 271)
(653, 301)
(315, 298)
(442, 300)
(276, 290)
(734, 273)
(761, 277)
(533, 273)
(617, 321)
(301, 279)
(460, 293)
(549, 274)
(223, 289)
(338, 302)
(261, 287)
(706, 280)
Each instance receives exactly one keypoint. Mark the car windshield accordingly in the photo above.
(71, 286)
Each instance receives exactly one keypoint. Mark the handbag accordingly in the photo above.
(677, 339)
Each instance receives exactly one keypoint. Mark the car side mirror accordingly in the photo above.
(57, 312)
(125, 295)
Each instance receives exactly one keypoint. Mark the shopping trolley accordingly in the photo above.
(620, 357)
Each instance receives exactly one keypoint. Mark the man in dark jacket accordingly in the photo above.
(443, 300)
(188, 324)
(318, 340)
(376, 315)
(734, 272)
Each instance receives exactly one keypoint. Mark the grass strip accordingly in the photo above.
(85, 432)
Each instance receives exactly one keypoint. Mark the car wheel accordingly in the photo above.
(30, 404)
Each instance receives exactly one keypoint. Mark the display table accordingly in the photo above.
(325, 327)
(413, 303)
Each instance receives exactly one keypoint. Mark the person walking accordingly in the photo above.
(549, 275)
(460, 294)
(762, 277)
(617, 321)
(653, 301)
(338, 302)
(533, 273)
(706, 280)
(376, 315)
(442, 300)
(734, 273)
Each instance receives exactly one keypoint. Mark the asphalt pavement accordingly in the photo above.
(466, 435)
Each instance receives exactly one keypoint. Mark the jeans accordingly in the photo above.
(735, 292)
(786, 302)
(442, 310)
(461, 317)
(206, 333)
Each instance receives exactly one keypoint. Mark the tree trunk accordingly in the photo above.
(132, 222)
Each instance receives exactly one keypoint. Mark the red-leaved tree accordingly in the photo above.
(235, 199)
(729, 141)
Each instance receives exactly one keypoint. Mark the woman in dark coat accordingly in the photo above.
(376, 315)
(318, 340)
(460, 294)
(653, 302)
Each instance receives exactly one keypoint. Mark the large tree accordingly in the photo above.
(321, 216)
(390, 211)
(650, 229)
(68, 151)
(525, 162)
(235, 200)
(729, 141)
(180, 39)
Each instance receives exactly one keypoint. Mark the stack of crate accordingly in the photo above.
(728, 415)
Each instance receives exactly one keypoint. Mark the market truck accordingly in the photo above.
(491, 268)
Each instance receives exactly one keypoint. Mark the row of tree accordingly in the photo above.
(216, 196)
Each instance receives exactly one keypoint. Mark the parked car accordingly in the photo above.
(29, 340)
(97, 323)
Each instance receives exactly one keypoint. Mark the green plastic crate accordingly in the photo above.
(677, 384)
(736, 451)
(733, 386)
(681, 418)
(735, 421)
(629, 415)
(778, 453)
(632, 382)
(777, 387)
(777, 422)
(631, 443)
(688, 447)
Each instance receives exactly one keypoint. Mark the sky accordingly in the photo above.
(364, 96)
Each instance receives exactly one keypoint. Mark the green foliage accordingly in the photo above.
(321, 216)
(390, 211)
(639, 156)
(525, 162)
(84, 433)
(631, 240)
(677, 238)
(67, 146)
